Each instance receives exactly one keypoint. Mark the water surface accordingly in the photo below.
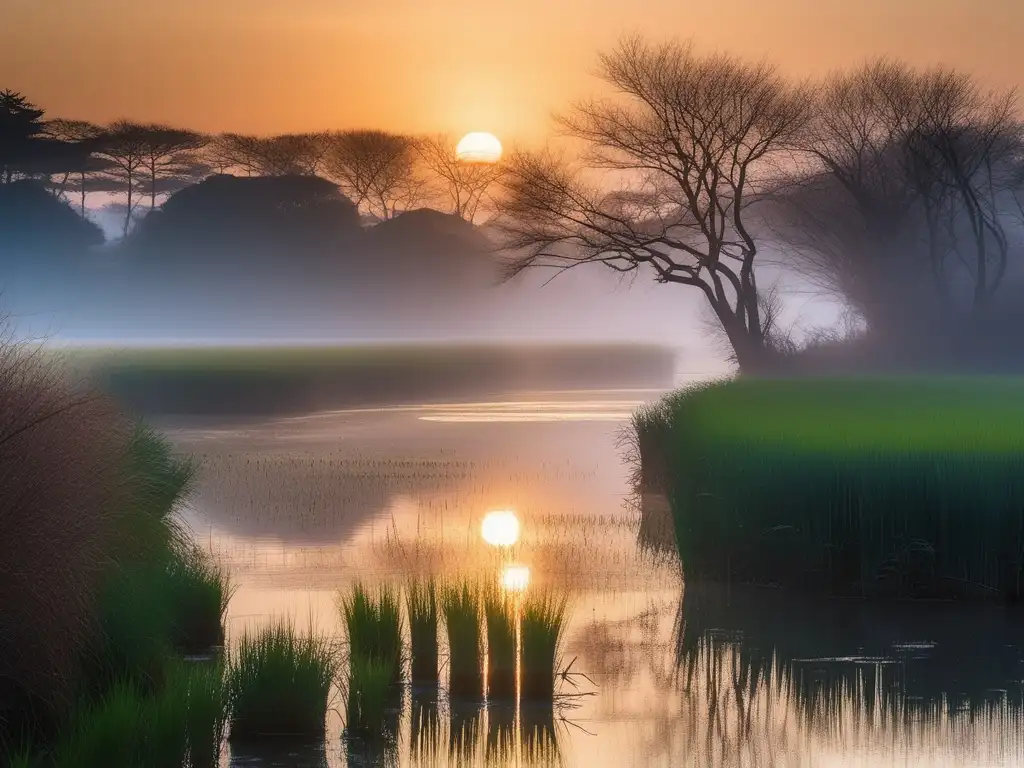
(300, 508)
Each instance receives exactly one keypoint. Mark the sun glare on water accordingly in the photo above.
(515, 578)
(479, 147)
(500, 528)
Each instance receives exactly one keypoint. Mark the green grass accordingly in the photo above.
(871, 487)
(109, 734)
(501, 644)
(279, 683)
(200, 591)
(370, 688)
(460, 603)
(544, 619)
(207, 718)
(258, 379)
(374, 623)
(421, 603)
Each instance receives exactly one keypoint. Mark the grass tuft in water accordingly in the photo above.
(499, 612)
(374, 625)
(461, 606)
(369, 694)
(421, 602)
(544, 619)
(279, 683)
(200, 593)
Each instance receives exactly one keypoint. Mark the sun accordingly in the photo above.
(479, 147)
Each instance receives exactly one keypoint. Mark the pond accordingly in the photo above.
(301, 508)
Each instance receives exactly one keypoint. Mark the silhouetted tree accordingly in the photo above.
(87, 175)
(26, 152)
(378, 171)
(126, 145)
(286, 155)
(170, 160)
(691, 138)
(904, 199)
(463, 184)
(224, 210)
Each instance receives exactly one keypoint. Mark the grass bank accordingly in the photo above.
(870, 488)
(102, 587)
(247, 381)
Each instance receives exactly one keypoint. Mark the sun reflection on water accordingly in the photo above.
(515, 578)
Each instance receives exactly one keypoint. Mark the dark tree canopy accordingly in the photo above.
(35, 224)
(26, 151)
(243, 211)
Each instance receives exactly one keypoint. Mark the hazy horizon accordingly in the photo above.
(264, 67)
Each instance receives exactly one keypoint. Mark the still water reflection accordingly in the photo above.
(300, 508)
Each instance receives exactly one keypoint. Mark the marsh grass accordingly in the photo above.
(866, 488)
(543, 623)
(370, 689)
(499, 611)
(279, 683)
(108, 734)
(421, 603)
(208, 713)
(200, 591)
(460, 603)
(374, 623)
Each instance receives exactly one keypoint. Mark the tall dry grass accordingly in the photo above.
(62, 490)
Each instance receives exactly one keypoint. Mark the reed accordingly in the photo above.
(544, 619)
(279, 684)
(108, 734)
(868, 488)
(500, 616)
(421, 602)
(200, 594)
(461, 606)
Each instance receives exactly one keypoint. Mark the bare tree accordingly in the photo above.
(285, 155)
(378, 171)
(683, 151)
(170, 158)
(463, 184)
(126, 145)
(902, 163)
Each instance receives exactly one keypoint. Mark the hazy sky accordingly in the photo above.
(421, 65)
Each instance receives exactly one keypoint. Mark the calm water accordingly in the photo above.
(300, 508)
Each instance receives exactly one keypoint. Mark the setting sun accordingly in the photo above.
(500, 528)
(479, 147)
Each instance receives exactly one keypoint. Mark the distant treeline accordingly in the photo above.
(898, 192)
(272, 381)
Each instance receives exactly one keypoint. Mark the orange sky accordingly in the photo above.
(266, 66)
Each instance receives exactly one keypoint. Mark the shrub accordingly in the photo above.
(902, 488)
(279, 684)
(544, 620)
(461, 606)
